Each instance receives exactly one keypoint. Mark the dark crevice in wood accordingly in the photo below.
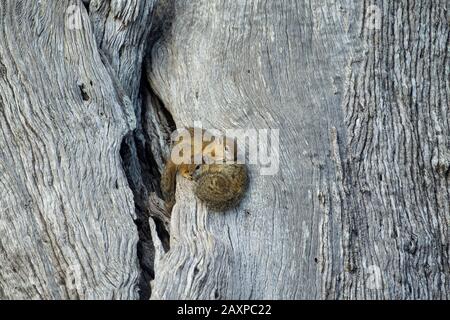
(86, 5)
(136, 148)
(153, 140)
(131, 152)
(84, 93)
(156, 100)
(152, 104)
(163, 233)
(139, 151)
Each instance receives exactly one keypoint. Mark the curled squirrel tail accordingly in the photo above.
(168, 178)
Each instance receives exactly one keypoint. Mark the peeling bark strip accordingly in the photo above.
(66, 212)
(360, 93)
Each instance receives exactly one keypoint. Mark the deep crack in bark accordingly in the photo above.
(138, 155)
(143, 152)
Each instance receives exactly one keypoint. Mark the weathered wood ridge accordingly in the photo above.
(358, 89)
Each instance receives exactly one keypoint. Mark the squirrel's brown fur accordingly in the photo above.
(221, 186)
(212, 178)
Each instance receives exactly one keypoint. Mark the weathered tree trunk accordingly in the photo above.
(359, 91)
(360, 206)
(67, 212)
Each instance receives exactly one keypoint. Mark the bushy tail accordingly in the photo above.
(168, 179)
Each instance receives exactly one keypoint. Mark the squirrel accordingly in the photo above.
(220, 186)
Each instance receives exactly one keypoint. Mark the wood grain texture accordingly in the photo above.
(253, 64)
(121, 31)
(360, 206)
(66, 212)
(396, 177)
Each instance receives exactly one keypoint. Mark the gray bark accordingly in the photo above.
(360, 207)
(66, 212)
(358, 89)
